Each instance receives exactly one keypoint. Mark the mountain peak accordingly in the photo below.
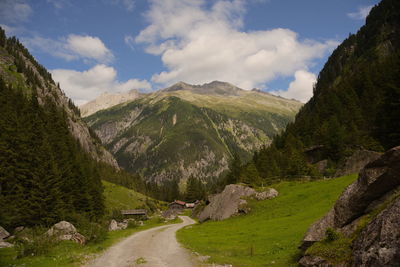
(212, 88)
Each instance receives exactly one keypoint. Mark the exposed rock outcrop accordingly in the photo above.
(230, 202)
(107, 100)
(356, 162)
(3, 233)
(376, 189)
(66, 231)
(114, 225)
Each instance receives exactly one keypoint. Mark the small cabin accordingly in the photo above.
(138, 212)
(177, 204)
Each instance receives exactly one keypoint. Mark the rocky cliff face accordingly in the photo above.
(49, 90)
(183, 131)
(107, 100)
(367, 215)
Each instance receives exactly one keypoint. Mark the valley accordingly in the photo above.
(174, 157)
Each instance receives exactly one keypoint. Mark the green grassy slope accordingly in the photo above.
(271, 233)
(118, 197)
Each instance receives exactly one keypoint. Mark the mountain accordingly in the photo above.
(107, 100)
(191, 130)
(355, 106)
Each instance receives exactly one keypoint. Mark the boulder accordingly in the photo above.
(122, 225)
(4, 244)
(62, 228)
(356, 162)
(376, 189)
(268, 194)
(375, 180)
(378, 244)
(227, 203)
(66, 231)
(113, 226)
(18, 229)
(3, 233)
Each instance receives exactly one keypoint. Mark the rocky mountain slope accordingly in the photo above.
(12, 73)
(364, 223)
(107, 100)
(188, 130)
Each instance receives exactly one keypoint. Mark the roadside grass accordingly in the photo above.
(270, 234)
(67, 253)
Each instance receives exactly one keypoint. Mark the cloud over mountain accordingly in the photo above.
(199, 43)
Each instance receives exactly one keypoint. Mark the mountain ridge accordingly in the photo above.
(190, 130)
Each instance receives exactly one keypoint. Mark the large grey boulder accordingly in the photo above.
(378, 244)
(356, 162)
(4, 244)
(226, 203)
(230, 202)
(375, 180)
(113, 225)
(376, 185)
(66, 231)
(3, 233)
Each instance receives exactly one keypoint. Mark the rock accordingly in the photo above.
(66, 231)
(375, 180)
(3, 233)
(18, 229)
(122, 225)
(225, 204)
(113, 226)
(268, 194)
(378, 244)
(356, 162)
(140, 223)
(62, 228)
(4, 244)
(316, 232)
(313, 261)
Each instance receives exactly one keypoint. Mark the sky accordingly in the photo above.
(97, 46)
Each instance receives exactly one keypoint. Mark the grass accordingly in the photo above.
(67, 253)
(118, 197)
(271, 233)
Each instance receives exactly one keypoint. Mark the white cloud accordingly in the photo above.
(301, 88)
(199, 44)
(15, 11)
(87, 85)
(361, 13)
(72, 47)
(130, 41)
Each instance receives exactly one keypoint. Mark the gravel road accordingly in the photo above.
(156, 247)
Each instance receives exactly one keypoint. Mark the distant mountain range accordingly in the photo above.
(189, 130)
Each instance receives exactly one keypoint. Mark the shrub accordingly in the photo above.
(94, 232)
(34, 242)
(132, 224)
(331, 235)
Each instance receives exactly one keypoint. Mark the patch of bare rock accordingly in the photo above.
(368, 213)
(231, 202)
(66, 231)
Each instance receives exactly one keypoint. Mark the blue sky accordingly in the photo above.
(94, 46)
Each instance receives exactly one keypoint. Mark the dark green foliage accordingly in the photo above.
(356, 103)
(44, 174)
(195, 190)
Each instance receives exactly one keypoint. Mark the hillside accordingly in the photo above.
(355, 104)
(187, 130)
(107, 100)
(272, 231)
(51, 163)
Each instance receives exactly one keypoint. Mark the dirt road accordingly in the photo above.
(156, 247)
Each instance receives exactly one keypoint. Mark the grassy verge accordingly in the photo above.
(67, 253)
(271, 233)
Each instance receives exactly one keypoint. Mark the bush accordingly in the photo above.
(331, 235)
(94, 232)
(34, 242)
(132, 224)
